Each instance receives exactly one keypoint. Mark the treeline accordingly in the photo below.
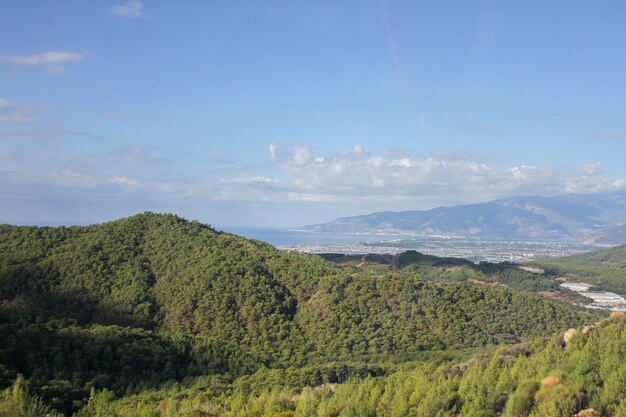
(131, 304)
(437, 269)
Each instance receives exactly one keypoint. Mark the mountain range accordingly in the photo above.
(569, 216)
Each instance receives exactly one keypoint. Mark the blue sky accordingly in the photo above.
(285, 113)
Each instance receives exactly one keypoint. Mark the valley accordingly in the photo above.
(476, 250)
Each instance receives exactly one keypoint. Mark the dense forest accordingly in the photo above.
(581, 374)
(153, 303)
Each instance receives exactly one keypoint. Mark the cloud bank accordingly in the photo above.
(357, 176)
(297, 178)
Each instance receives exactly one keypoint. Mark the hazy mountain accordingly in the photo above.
(610, 236)
(565, 216)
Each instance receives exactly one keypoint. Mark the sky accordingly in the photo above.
(286, 113)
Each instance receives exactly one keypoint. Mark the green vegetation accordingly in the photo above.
(545, 378)
(90, 314)
(612, 257)
(605, 269)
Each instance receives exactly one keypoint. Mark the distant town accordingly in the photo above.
(473, 249)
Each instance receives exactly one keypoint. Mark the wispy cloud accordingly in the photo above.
(50, 61)
(220, 160)
(137, 155)
(13, 112)
(127, 169)
(395, 152)
(121, 114)
(132, 9)
(44, 58)
(46, 132)
(27, 122)
(616, 134)
(458, 156)
(481, 130)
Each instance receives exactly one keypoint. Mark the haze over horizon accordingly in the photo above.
(296, 113)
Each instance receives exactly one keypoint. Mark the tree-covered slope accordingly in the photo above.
(128, 304)
(612, 257)
(605, 269)
(583, 375)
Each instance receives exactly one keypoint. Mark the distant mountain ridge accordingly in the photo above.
(566, 216)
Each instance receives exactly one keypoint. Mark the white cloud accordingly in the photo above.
(594, 168)
(132, 9)
(301, 155)
(44, 58)
(273, 153)
(249, 180)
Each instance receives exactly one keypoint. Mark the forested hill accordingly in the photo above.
(128, 304)
(612, 257)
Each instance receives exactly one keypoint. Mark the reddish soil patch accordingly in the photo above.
(475, 281)
(553, 296)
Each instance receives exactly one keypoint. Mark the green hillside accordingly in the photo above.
(612, 257)
(132, 304)
(605, 269)
(585, 377)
